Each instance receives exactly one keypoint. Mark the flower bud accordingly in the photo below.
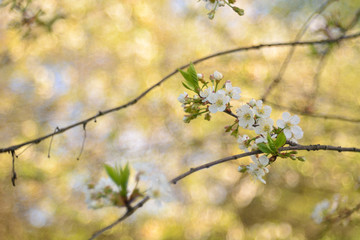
(218, 76)
(211, 15)
(238, 11)
(207, 117)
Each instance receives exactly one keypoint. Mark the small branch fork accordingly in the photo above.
(299, 35)
(322, 63)
(143, 94)
(316, 115)
(316, 147)
(343, 214)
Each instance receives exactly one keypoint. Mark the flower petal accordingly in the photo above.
(286, 116)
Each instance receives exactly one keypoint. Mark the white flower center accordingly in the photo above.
(266, 128)
(247, 116)
(219, 102)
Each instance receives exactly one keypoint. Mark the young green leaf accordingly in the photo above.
(280, 140)
(113, 174)
(189, 83)
(192, 73)
(264, 148)
(124, 176)
(271, 144)
(186, 86)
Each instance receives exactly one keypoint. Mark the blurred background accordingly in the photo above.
(91, 55)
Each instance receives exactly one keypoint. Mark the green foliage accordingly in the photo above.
(120, 176)
(264, 148)
(280, 140)
(191, 79)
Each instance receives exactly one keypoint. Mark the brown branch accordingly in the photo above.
(322, 62)
(345, 213)
(317, 147)
(296, 147)
(51, 140)
(13, 178)
(298, 36)
(316, 115)
(135, 100)
(127, 214)
(83, 142)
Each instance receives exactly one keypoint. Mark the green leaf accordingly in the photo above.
(124, 176)
(271, 144)
(269, 139)
(192, 73)
(191, 79)
(264, 148)
(280, 140)
(189, 82)
(113, 174)
(302, 159)
(120, 176)
(186, 86)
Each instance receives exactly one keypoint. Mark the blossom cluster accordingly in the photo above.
(115, 190)
(253, 115)
(103, 194)
(326, 208)
(213, 5)
(208, 98)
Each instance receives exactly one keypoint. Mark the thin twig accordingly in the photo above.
(344, 214)
(128, 213)
(17, 155)
(298, 36)
(83, 142)
(317, 147)
(322, 62)
(13, 177)
(316, 115)
(296, 147)
(135, 100)
(51, 140)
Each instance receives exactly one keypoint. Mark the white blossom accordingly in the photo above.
(96, 198)
(243, 142)
(205, 93)
(252, 102)
(233, 92)
(246, 116)
(218, 76)
(261, 110)
(265, 126)
(289, 123)
(261, 139)
(258, 167)
(218, 101)
(320, 211)
(158, 186)
(182, 97)
(318, 23)
(210, 5)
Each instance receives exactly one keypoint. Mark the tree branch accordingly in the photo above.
(127, 214)
(298, 36)
(143, 94)
(317, 147)
(316, 115)
(345, 213)
(322, 62)
(296, 147)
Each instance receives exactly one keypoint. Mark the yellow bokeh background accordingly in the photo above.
(105, 53)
